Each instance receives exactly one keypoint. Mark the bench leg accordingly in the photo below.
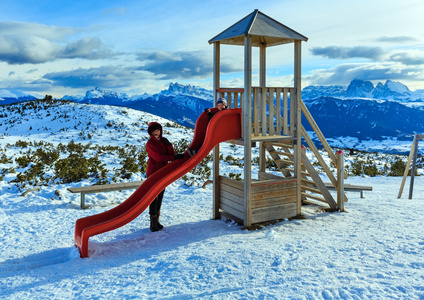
(362, 194)
(82, 200)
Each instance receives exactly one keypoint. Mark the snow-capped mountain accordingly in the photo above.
(365, 119)
(390, 90)
(175, 89)
(181, 108)
(8, 96)
(315, 91)
(359, 88)
(180, 103)
(105, 97)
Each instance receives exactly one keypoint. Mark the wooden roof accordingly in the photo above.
(262, 29)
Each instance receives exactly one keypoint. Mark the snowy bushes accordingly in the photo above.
(43, 163)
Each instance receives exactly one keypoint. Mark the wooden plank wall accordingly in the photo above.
(271, 199)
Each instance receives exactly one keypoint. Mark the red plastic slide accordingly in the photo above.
(224, 125)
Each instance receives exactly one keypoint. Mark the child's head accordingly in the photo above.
(155, 130)
(221, 104)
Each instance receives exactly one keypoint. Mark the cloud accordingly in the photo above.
(412, 57)
(343, 74)
(107, 77)
(335, 52)
(52, 33)
(396, 39)
(118, 11)
(25, 43)
(406, 57)
(30, 49)
(88, 48)
(180, 65)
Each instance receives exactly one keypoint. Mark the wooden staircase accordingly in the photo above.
(313, 188)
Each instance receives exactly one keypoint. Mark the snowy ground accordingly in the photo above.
(374, 250)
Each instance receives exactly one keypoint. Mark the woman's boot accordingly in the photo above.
(154, 224)
(159, 224)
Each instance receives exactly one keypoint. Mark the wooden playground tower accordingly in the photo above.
(271, 118)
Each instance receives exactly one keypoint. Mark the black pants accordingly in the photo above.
(154, 207)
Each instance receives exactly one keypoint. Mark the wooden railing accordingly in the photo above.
(234, 96)
(270, 108)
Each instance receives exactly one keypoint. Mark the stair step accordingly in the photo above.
(314, 197)
(281, 153)
(311, 189)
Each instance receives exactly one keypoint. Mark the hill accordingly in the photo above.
(373, 250)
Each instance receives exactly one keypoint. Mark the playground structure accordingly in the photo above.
(412, 157)
(269, 116)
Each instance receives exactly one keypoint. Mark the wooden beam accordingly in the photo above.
(408, 164)
(247, 119)
(340, 180)
(318, 131)
(215, 168)
(414, 162)
(297, 120)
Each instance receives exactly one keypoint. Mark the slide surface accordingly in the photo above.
(224, 125)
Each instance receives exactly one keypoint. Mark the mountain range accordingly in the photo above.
(361, 110)
(390, 90)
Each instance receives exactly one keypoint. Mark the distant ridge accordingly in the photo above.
(360, 111)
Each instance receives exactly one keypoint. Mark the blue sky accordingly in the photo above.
(68, 47)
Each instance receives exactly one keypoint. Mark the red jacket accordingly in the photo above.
(160, 151)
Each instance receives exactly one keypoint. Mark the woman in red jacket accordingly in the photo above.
(160, 152)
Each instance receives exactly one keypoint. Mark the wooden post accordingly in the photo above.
(297, 126)
(414, 162)
(414, 149)
(82, 204)
(340, 180)
(247, 117)
(215, 174)
(262, 84)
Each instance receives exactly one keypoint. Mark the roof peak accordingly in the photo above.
(263, 30)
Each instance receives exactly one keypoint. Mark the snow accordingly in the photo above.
(397, 87)
(371, 251)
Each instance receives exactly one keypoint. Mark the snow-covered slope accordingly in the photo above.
(371, 251)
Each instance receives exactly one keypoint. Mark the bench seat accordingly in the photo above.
(92, 189)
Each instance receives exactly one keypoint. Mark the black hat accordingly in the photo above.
(153, 126)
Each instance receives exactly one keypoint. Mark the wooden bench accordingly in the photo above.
(351, 187)
(92, 189)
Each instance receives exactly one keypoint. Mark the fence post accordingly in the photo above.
(340, 180)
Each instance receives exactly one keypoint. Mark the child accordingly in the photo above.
(221, 104)
(160, 152)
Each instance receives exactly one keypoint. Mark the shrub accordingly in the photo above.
(4, 159)
(360, 167)
(397, 168)
(21, 144)
(72, 169)
(23, 161)
(46, 157)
